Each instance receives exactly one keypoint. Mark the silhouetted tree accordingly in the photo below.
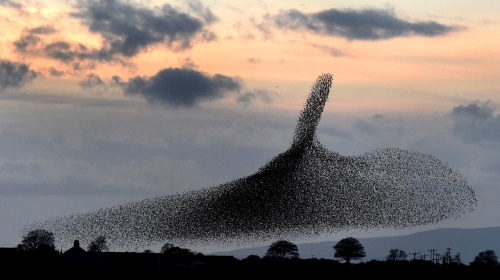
(457, 259)
(38, 239)
(396, 255)
(178, 255)
(99, 244)
(349, 249)
(165, 247)
(252, 258)
(147, 251)
(283, 249)
(178, 252)
(251, 261)
(486, 257)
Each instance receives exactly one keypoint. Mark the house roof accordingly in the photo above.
(76, 250)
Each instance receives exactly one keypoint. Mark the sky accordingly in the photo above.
(106, 102)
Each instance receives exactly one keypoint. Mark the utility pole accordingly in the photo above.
(447, 258)
(438, 256)
(415, 254)
(457, 259)
(432, 254)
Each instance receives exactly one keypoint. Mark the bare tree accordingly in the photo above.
(99, 244)
(396, 255)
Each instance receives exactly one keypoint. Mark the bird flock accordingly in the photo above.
(304, 191)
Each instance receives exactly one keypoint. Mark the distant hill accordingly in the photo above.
(465, 242)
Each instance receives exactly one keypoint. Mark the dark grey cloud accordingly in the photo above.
(78, 54)
(31, 38)
(44, 29)
(473, 111)
(331, 50)
(363, 24)
(189, 63)
(257, 94)
(75, 52)
(10, 3)
(55, 73)
(476, 123)
(14, 74)
(91, 81)
(246, 99)
(392, 125)
(253, 60)
(127, 28)
(208, 36)
(180, 87)
(32, 43)
(62, 50)
(27, 43)
(117, 80)
(202, 11)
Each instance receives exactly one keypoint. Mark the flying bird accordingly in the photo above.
(304, 191)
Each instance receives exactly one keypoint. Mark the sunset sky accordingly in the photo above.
(104, 102)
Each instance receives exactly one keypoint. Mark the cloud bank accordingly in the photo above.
(127, 29)
(363, 24)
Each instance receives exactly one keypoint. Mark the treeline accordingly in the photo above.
(36, 255)
(139, 265)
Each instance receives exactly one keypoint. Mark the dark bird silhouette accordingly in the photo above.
(305, 191)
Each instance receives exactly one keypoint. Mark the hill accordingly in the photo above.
(465, 242)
